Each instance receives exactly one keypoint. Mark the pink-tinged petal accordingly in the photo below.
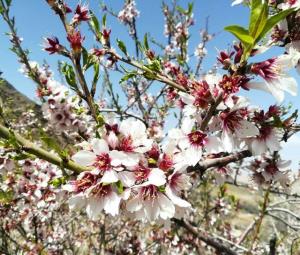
(134, 204)
(84, 158)
(276, 90)
(110, 176)
(289, 84)
(157, 177)
(228, 141)
(77, 202)
(167, 208)
(259, 86)
(127, 178)
(186, 98)
(94, 207)
(284, 163)
(258, 147)
(193, 156)
(151, 209)
(213, 145)
(175, 199)
(117, 157)
(99, 146)
(187, 125)
(125, 194)
(247, 129)
(112, 204)
(273, 143)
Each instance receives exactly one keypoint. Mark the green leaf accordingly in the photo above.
(122, 46)
(146, 44)
(85, 56)
(258, 18)
(68, 72)
(94, 23)
(241, 33)
(154, 66)
(57, 182)
(120, 187)
(128, 76)
(190, 8)
(273, 20)
(1, 9)
(96, 73)
(104, 20)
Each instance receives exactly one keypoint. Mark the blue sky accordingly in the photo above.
(35, 20)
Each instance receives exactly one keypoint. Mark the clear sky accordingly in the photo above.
(35, 20)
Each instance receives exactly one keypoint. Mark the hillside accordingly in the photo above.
(15, 103)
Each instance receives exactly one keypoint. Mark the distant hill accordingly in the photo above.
(15, 103)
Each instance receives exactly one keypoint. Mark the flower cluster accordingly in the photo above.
(128, 13)
(128, 168)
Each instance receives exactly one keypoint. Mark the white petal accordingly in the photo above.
(134, 204)
(290, 85)
(228, 141)
(109, 176)
(186, 98)
(84, 158)
(112, 204)
(175, 199)
(276, 90)
(167, 208)
(94, 207)
(247, 129)
(99, 146)
(273, 143)
(151, 209)
(117, 157)
(157, 177)
(258, 147)
(213, 145)
(77, 202)
(127, 178)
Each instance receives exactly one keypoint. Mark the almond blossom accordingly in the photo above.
(277, 80)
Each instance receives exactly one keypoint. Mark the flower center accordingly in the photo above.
(141, 173)
(101, 190)
(102, 162)
(84, 183)
(149, 192)
(197, 138)
(126, 144)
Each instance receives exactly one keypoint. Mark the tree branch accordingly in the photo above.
(221, 248)
(39, 152)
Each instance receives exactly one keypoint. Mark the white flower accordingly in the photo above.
(101, 159)
(268, 139)
(150, 203)
(274, 72)
(289, 4)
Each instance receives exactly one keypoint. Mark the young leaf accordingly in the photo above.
(122, 46)
(96, 73)
(241, 33)
(273, 20)
(146, 44)
(258, 18)
(94, 23)
(128, 76)
(104, 20)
